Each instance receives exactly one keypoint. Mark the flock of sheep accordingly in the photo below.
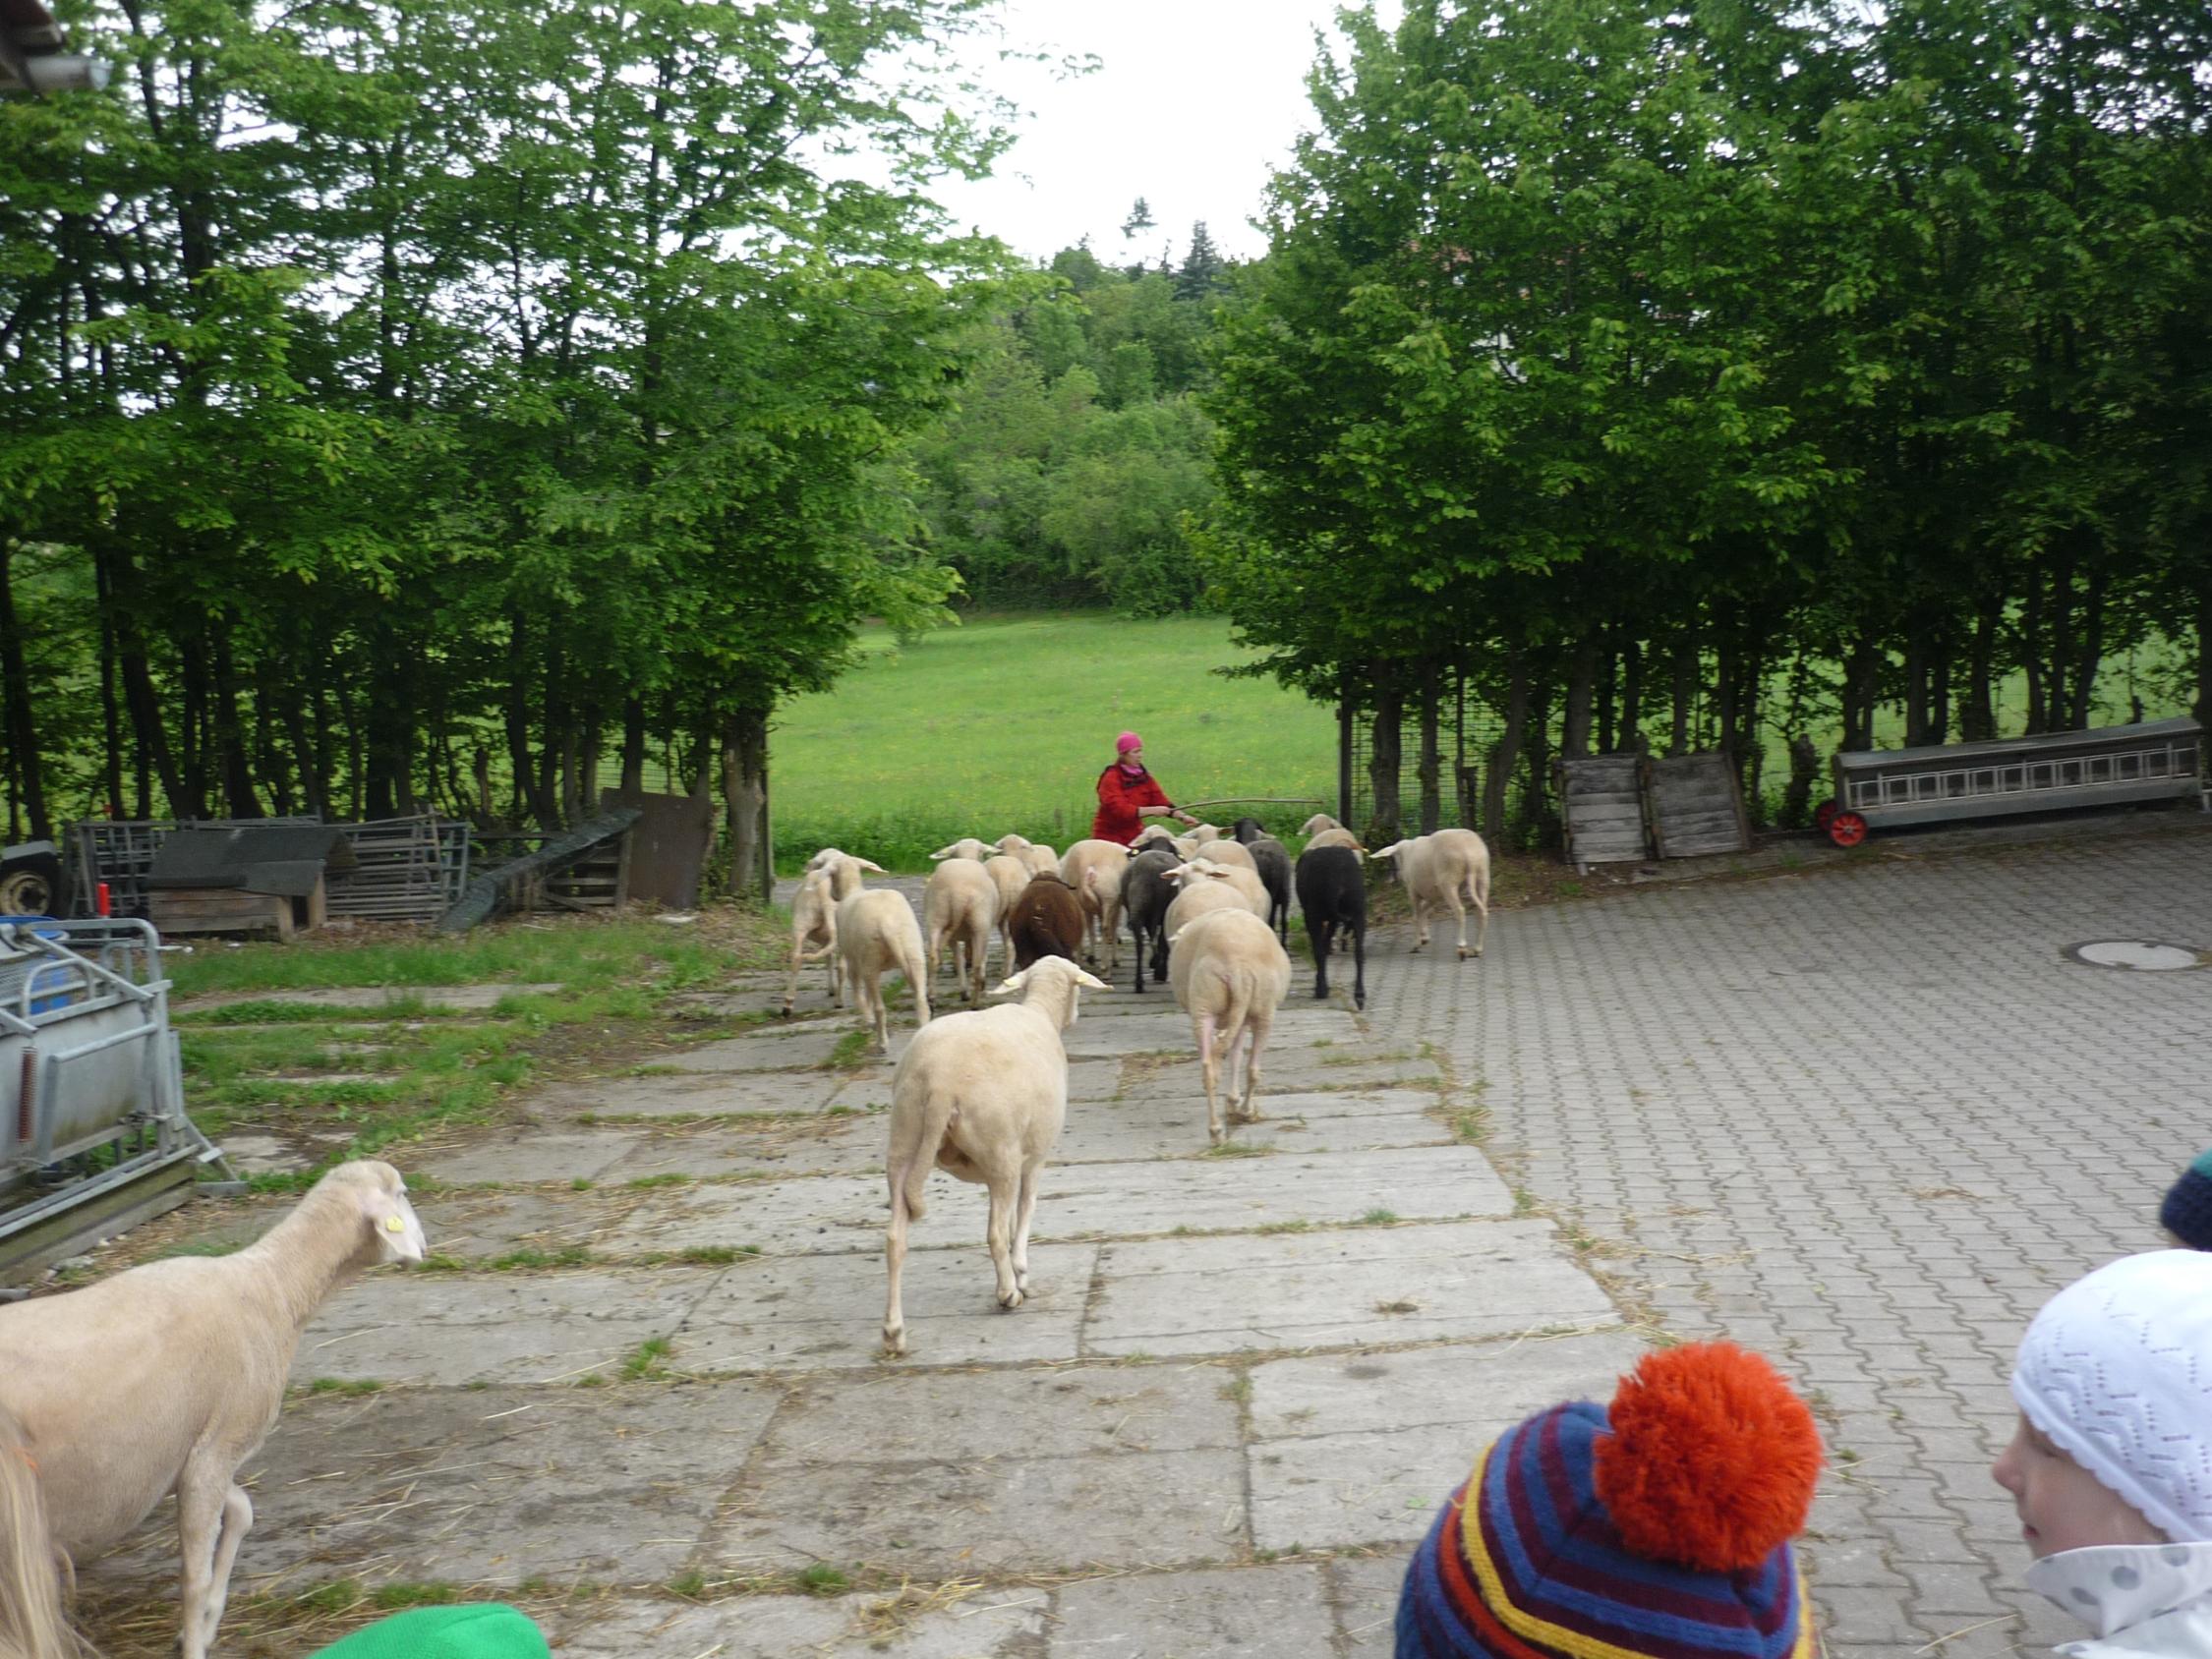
(982, 1094)
(99, 1418)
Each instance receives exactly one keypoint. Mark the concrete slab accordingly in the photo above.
(840, 1214)
(1287, 1069)
(476, 1224)
(484, 1486)
(1165, 1032)
(804, 1214)
(1006, 1513)
(1367, 1602)
(1162, 1126)
(769, 1049)
(1339, 1289)
(509, 1327)
(1210, 1194)
(534, 1155)
(250, 1154)
(992, 1624)
(1222, 1612)
(825, 1312)
(1340, 1102)
(1093, 1080)
(814, 1146)
(692, 1095)
(1361, 1448)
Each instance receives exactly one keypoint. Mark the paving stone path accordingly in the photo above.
(1863, 1121)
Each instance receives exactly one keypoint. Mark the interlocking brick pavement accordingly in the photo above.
(1864, 1119)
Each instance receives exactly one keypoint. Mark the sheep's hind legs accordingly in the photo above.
(895, 1263)
(999, 1235)
(1025, 1208)
(1209, 1064)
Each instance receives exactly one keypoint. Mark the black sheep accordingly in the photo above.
(1147, 894)
(1332, 891)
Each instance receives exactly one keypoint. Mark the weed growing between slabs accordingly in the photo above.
(352, 1082)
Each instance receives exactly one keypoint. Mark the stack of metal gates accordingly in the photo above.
(405, 869)
(93, 1135)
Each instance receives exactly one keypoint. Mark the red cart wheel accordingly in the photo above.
(1823, 815)
(1846, 828)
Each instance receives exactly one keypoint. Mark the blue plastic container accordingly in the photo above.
(52, 985)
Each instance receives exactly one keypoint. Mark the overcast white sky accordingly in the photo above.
(1195, 102)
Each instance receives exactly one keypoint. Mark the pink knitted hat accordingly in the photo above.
(1127, 741)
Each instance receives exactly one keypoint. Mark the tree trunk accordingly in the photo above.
(1506, 751)
(1385, 763)
(191, 728)
(1631, 733)
(2031, 652)
(1939, 685)
(2204, 647)
(1536, 776)
(1582, 685)
(744, 795)
(518, 715)
(1978, 705)
(1916, 687)
(1685, 664)
(1608, 690)
(144, 705)
(313, 785)
(1431, 794)
(1858, 696)
(111, 721)
(239, 800)
(587, 762)
(633, 746)
(551, 730)
(391, 729)
(19, 719)
(2090, 650)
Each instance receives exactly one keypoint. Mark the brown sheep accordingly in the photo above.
(1047, 920)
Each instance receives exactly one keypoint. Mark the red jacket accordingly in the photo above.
(1118, 797)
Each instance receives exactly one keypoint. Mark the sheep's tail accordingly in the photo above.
(31, 1621)
(1240, 982)
(913, 1154)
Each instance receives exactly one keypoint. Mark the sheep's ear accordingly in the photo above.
(941, 852)
(1387, 851)
(1093, 981)
(871, 864)
(1014, 983)
(1178, 934)
(398, 1231)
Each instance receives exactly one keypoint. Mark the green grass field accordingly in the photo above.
(1002, 724)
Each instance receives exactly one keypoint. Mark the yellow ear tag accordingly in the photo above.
(393, 1224)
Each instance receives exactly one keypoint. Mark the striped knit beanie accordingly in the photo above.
(2187, 1211)
(1658, 1529)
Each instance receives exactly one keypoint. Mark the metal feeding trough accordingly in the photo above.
(93, 1135)
(2113, 766)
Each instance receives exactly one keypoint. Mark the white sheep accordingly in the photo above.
(1437, 871)
(168, 1376)
(1010, 876)
(877, 933)
(1230, 973)
(1202, 886)
(1232, 854)
(1110, 859)
(1011, 842)
(1323, 830)
(1204, 834)
(967, 846)
(1040, 859)
(961, 907)
(814, 934)
(982, 1096)
(844, 869)
(1153, 836)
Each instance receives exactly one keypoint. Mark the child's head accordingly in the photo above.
(2115, 1388)
(1660, 1524)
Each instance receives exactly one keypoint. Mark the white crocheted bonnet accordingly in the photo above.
(2117, 1371)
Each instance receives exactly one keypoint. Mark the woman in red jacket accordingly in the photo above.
(1129, 794)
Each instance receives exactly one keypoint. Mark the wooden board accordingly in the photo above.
(1603, 806)
(201, 911)
(1695, 805)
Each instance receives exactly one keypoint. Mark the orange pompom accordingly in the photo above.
(1711, 1459)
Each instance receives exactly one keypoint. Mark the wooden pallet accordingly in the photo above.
(1601, 800)
(1695, 805)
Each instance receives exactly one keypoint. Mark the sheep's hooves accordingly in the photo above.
(1010, 1301)
(1320, 993)
(786, 1010)
(895, 1343)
